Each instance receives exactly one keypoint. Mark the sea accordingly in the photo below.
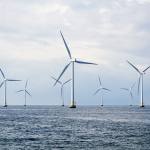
(83, 128)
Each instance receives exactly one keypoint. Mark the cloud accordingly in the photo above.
(105, 32)
(53, 8)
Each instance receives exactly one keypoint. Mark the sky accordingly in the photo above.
(104, 32)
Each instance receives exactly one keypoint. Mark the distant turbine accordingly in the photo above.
(141, 73)
(62, 86)
(71, 61)
(25, 93)
(129, 90)
(101, 88)
(5, 80)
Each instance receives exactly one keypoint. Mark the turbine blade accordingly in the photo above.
(12, 80)
(55, 79)
(83, 62)
(62, 73)
(133, 85)
(106, 89)
(67, 81)
(1, 84)
(134, 67)
(131, 95)
(146, 69)
(2, 73)
(28, 93)
(69, 53)
(125, 89)
(96, 91)
(19, 91)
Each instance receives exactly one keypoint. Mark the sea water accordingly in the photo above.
(85, 128)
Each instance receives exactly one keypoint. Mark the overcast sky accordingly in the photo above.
(100, 31)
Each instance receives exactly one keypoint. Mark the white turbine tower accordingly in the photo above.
(71, 61)
(141, 73)
(129, 90)
(25, 93)
(62, 88)
(5, 80)
(101, 88)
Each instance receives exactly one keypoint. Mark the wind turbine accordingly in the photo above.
(25, 93)
(141, 73)
(71, 61)
(101, 88)
(5, 80)
(62, 86)
(129, 90)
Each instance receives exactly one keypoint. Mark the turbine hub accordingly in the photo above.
(73, 59)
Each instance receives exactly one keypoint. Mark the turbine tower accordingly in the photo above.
(5, 80)
(141, 73)
(62, 87)
(25, 93)
(71, 61)
(101, 88)
(129, 90)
